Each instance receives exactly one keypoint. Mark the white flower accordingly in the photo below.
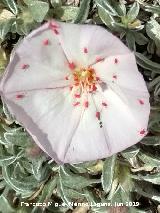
(77, 90)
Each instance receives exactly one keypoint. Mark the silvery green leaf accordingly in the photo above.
(18, 170)
(7, 160)
(153, 83)
(119, 27)
(152, 178)
(66, 13)
(74, 181)
(153, 31)
(62, 192)
(18, 138)
(73, 194)
(106, 18)
(152, 9)
(5, 27)
(151, 140)
(27, 165)
(130, 152)
(82, 167)
(7, 113)
(130, 40)
(149, 159)
(19, 186)
(77, 169)
(11, 4)
(25, 28)
(107, 7)
(154, 122)
(5, 205)
(140, 38)
(46, 193)
(40, 172)
(108, 173)
(2, 184)
(56, 3)
(83, 11)
(120, 195)
(120, 8)
(38, 10)
(144, 62)
(147, 191)
(133, 12)
(97, 205)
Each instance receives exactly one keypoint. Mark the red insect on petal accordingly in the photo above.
(66, 78)
(104, 104)
(55, 31)
(70, 88)
(97, 78)
(86, 104)
(85, 50)
(20, 96)
(94, 88)
(24, 66)
(115, 76)
(116, 61)
(98, 115)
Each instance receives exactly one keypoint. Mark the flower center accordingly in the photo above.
(85, 80)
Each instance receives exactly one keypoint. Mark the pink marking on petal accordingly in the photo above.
(115, 76)
(72, 65)
(94, 88)
(56, 31)
(66, 78)
(116, 61)
(97, 78)
(85, 50)
(76, 84)
(142, 132)
(141, 102)
(86, 104)
(104, 104)
(98, 115)
(46, 42)
(99, 59)
(77, 95)
(25, 66)
(70, 88)
(53, 25)
(76, 104)
(20, 96)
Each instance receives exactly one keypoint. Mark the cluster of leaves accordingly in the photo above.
(132, 177)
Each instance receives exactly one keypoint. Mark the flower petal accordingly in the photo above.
(88, 43)
(89, 141)
(124, 117)
(49, 117)
(124, 73)
(35, 65)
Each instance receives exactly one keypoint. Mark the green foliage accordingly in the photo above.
(83, 11)
(26, 173)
